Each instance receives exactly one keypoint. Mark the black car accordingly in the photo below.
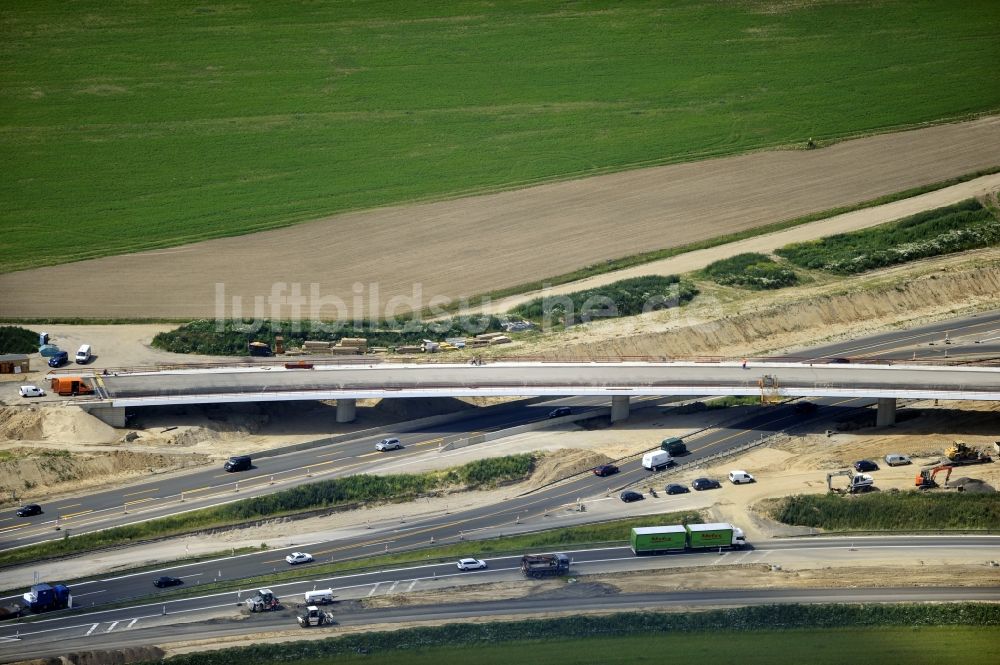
(605, 470)
(805, 408)
(628, 496)
(560, 412)
(674, 488)
(705, 484)
(863, 465)
(163, 582)
(838, 361)
(28, 510)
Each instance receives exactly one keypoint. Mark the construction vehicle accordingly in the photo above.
(926, 479)
(44, 597)
(858, 482)
(315, 617)
(264, 601)
(960, 454)
(70, 385)
(544, 565)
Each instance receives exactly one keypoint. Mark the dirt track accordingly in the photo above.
(472, 245)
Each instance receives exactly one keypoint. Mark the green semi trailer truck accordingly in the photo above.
(686, 537)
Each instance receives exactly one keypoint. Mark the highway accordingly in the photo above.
(175, 492)
(453, 527)
(156, 622)
(172, 493)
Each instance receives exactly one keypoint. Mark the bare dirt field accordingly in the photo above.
(473, 245)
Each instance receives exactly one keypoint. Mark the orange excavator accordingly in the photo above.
(926, 479)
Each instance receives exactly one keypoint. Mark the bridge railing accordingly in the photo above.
(239, 362)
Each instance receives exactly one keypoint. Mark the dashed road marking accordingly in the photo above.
(93, 628)
(130, 624)
(111, 627)
(374, 589)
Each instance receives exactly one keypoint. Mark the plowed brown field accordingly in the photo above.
(473, 245)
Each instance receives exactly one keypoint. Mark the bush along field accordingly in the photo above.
(693, 634)
(350, 490)
(204, 336)
(891, 511)
(626, 297)
(955, 228)
(14, 339)
(751, 271)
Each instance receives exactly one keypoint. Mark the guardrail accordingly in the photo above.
(240, 362)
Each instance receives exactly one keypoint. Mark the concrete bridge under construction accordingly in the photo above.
(345, 383)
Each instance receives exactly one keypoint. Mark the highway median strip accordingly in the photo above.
(305, 500)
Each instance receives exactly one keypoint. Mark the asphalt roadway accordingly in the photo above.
(158, 622)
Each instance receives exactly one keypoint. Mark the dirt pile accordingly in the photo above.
(40, 472)
(562, 464)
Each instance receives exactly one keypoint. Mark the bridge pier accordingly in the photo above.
(346, 410)
(112, 415)
(619, 408)
(886, 414)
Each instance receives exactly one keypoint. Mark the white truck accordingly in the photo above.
(319, 597)
(657, 460)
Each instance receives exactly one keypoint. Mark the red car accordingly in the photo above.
(605, 470)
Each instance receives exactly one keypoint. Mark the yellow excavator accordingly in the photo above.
(926, 479)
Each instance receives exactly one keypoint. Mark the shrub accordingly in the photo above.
(955, 228)
(626, 297)
(204, 337)
(891, 511)
(14, 339)
(751, 271)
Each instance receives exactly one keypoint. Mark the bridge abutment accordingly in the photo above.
(619, 408)
(346, 410)
(112, 415)
(886, 414)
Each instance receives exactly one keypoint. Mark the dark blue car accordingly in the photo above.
(59, 359)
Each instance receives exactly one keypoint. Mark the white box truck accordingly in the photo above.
(657, 460)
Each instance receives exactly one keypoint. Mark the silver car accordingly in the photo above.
(388, 444)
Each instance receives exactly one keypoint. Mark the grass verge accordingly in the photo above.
(889, 511)
(961, 632)
(338, 492)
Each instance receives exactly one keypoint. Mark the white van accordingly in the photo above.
(897, 459)
(319, 597)
(739, 477)
(83, 355)
(656, 460)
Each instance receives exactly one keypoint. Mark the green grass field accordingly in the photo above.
(125, 127)
(931, 645)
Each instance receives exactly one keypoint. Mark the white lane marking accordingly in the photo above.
(130, 624)
(111, 627)
(370, 593)
(89, 593)
(722, 559)
(392, 588)
(93, 628)
(184, 577)
(412, 584)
